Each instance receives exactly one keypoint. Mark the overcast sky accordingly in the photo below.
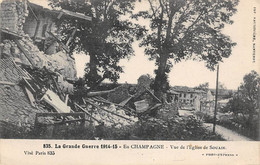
(192, 73)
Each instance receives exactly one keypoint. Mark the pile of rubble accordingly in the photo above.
(15, 106)
(25, 52)
(37, 85)
(138, 97)
(31, 81)
(101, 111)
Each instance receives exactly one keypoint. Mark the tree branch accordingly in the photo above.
(159, 29)
(151, 5)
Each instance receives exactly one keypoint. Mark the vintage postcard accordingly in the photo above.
(129, 82)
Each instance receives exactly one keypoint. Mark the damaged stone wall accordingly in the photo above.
(13, 16)
(10, 50)
(45, 21)
(59, 62)
(15, 107)
(13, 13)
(29, 26)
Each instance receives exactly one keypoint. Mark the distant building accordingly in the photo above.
(194, 99)
(188, 98)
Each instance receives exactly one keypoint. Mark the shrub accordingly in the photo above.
(177, 128)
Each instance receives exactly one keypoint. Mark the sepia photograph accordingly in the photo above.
(169, 70)
(129, 82)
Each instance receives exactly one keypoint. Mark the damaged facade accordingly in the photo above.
(36, 66)
(38, 75)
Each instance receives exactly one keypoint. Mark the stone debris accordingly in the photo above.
(138, 97)
(15, 106)
(31, 81)
(35, 79)
(59, 62)
(143, 102)
(111, 120)
(64, 85)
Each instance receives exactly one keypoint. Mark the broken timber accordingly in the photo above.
(100, 99)
(82, 109)
(60, 42)
(23, 50)
(73, 14)
(90, 94)
(156, 98)
(10, 33)
(80, 116)
(97, 106)
(7, 83)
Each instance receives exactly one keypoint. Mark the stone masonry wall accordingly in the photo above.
(60, 61)
(13, 16)
(13, 13)
(15, 107)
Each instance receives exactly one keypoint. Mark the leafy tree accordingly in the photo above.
(246, 100)
(106, 39)
(186, 29)
(249, 92)
(236, 105)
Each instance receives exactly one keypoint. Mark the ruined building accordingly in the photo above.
(38, 78)
(36, 67)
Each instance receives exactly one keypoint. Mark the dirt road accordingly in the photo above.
(227, 134)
